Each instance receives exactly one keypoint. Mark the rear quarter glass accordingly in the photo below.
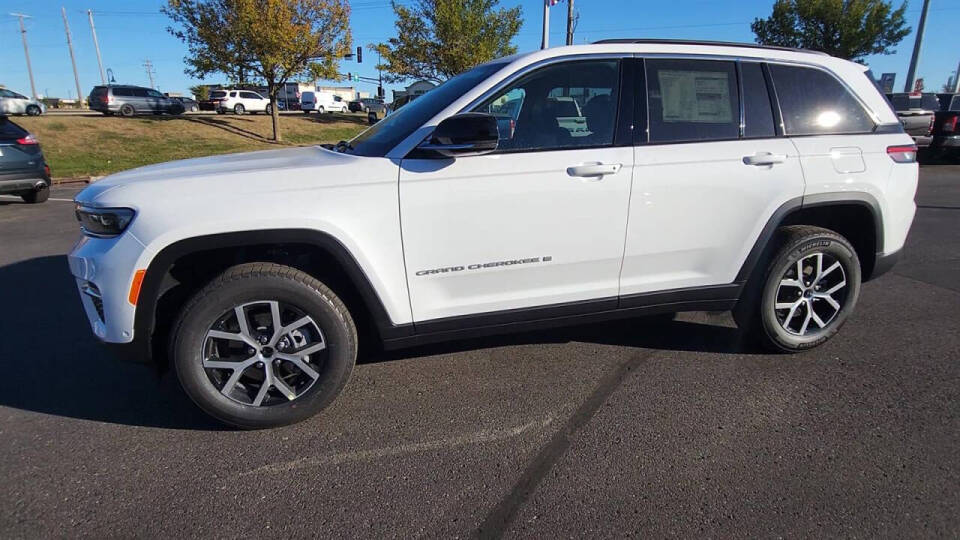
(11, 131)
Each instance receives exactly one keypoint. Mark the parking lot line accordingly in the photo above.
(50, 199)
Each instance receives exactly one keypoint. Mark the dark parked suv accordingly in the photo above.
(130, 100)
(23, 170)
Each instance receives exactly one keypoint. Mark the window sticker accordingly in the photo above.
(695, 96)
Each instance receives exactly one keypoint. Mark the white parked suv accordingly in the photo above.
(322, 102)
(767, 181)
(241, 101)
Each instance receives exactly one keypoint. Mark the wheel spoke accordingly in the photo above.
(793, 312)
(833, 267)
(242, 321)
(836, 287)
(301, 365)
(311, 349)
(299, 323)
(819, 268)
(806, 320)
(218, 334)
(829, 299)
(231, 382)
(284, 389)
(800, 271)
(257, 401)
(784, 305)
(275, 318)
(817, 319)
(791, 283)
(220, 364)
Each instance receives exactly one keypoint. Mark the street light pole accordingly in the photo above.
(912, 72)
(26, 52)
(569, 22)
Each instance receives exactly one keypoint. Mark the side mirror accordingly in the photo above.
(467, 134)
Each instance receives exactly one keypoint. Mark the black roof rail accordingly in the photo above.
(655, 41)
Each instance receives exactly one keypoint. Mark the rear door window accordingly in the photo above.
(692, 100)
(814, 102)
(9, 130)
(757, 109)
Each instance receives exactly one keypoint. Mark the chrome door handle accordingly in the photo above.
(764, 158)
(594, 170)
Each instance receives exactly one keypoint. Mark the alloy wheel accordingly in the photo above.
(264, 353)
(811, 294)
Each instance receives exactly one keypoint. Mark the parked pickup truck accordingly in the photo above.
(916, 114)
(945, 133)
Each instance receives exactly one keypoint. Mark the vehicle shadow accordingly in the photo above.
(53, 364)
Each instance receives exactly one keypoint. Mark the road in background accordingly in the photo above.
(635, 427)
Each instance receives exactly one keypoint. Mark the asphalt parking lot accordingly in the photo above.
(638, 428)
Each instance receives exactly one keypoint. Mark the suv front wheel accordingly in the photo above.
(264, 345)
(808, 291)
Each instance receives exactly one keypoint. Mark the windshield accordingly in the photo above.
(389, 132)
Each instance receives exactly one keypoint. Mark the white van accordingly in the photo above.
(322, 102)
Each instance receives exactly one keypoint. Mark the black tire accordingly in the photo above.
(321, 110)
(193, 108)
(256, 282)
(238, 109)
(221, 111)
(269, 110)
(36, 196)
(177, 110)
(127, 110)
(777, 328)
(33, 110)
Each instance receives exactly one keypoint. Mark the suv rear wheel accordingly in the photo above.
(127, 110)
(264, 345)
(808, 291)
(36, 195)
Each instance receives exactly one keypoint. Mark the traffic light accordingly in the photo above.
(380, 92)
(349, 76)
(359, 55)
(552, 3)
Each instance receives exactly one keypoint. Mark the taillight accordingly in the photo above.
(950, 124)
(28, 140)
(109, 99)
(903, 154)
(930, 127)
(46, 169)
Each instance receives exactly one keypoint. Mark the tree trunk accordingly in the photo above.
(274, 113)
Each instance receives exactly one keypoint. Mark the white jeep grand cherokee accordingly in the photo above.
(696, 176)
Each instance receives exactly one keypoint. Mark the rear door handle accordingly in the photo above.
(594, 170)
(764, 158)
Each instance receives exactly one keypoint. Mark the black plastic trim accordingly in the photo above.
(763, 244)
(698, 42)
(153, 282)
(884, 263)
(715, 298)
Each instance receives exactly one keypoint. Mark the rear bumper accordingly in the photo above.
(922, 141)
(10, 183)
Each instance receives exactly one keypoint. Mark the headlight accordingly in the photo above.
(103, 222)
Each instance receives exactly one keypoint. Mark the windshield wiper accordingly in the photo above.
(343, 146)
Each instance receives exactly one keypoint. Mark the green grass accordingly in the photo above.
(81, 146)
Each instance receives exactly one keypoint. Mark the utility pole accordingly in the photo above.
(569, 22)
(546, 25)
(914, 60)
(26, 52)
(73, 59)
(96, 45)
(150, 71)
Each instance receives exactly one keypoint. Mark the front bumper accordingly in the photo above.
(103, 269)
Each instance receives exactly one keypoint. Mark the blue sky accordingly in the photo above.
(133, 30)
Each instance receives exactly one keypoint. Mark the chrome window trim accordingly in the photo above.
(393, 152)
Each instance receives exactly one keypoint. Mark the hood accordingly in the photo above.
(223, 166)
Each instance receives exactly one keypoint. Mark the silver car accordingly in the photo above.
(13, 103)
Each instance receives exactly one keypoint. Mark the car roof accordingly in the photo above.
(705, 42)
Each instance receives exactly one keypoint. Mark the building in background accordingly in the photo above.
(415, 90)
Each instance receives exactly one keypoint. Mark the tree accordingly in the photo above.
(201, 92)
(272, 40)
(437, 39)
(850, 29)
